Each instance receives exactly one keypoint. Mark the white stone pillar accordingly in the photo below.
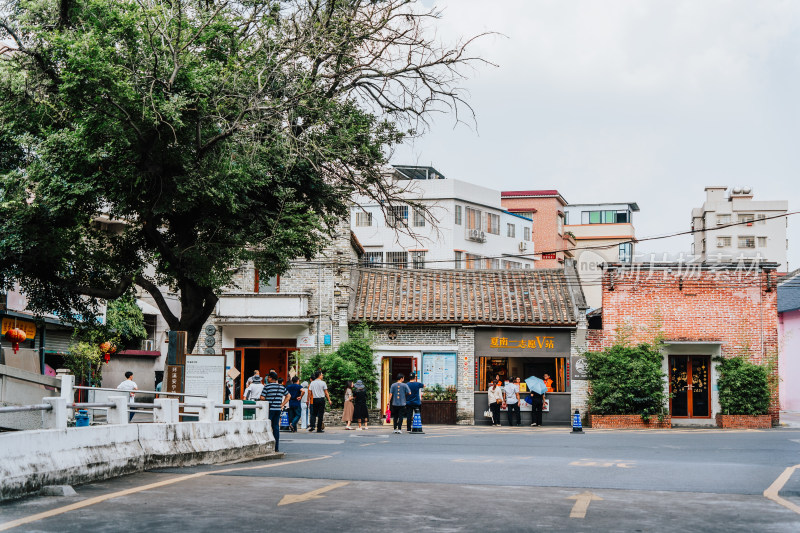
(67, 392)
(207, 412)
(55, 418)
(119, 413)
(262, 410)
(236, 412)
(166, 411)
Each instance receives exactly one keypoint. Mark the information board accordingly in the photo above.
(439, 369)
(205, 375)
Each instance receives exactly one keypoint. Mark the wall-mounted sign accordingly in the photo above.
(173, 379)
(306, 341)
(522, 342)
(548, 256)
(579, 370)
(204, 375)
(10, 323)
(327, 340)
(439, 369)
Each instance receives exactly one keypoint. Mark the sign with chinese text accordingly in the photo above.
(522, 342)
(306, 341)
(439, 369)
(173, 379)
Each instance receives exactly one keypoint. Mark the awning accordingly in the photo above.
(147, 309)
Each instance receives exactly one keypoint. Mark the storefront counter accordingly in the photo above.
(560, 410)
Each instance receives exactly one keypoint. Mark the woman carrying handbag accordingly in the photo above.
(496, 400)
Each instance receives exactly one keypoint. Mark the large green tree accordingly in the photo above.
(163, 143)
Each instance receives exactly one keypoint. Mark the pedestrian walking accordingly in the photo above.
(360, 411)
(130, 386)
(347, 415)
(414, 399)
(537, 402)
(512, 402)
(304, 406)
(295, 395)
(319, 392)
(496, 399)
(256, 374)
(253, 391)
(399, 392)
(276, 395)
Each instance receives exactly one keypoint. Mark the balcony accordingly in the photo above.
(251, 308)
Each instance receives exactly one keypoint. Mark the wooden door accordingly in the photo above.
(689, 386)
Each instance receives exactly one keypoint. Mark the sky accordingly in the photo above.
(632, 101)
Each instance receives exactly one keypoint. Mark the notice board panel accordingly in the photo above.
(205, 375)
(439, 368)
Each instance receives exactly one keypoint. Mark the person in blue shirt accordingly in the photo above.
(399, 392)
(295, 393)
(414, 400)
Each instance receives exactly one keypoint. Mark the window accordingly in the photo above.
(397, 259)
(363, 218)
(372, 259)
(472, 261)
(511, 265)
(723, 242)
(560, 224)
(512, 230)
(762, 242)
(265, 285)
(491, 264)
(723, 219)
(623, 217)
(527, 265)
(397, 216)
(747, 242)
(761, 218)
(746, 218)
(625, 252)
(418, 259)
(527, 232)
(566, 218)
(606, 217)
(473, 218)
(458, 215)
(419, 217)
(493, 223)
(459, 259)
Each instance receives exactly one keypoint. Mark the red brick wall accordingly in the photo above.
(545, 226)
(628, 422)
(730, 307)
(744, 422)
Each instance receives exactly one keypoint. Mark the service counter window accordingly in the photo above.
(488, 368)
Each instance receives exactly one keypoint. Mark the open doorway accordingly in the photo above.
(391, 367)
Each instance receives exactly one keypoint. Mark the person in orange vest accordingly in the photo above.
(548, 382)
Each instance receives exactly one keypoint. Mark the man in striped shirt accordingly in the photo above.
(277, 396)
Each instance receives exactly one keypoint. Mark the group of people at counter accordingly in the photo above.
(506, 395)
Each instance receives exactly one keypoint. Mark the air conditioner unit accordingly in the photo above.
(147, 345)
(476, 235)
(523, 245)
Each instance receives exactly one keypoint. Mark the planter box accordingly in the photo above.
(436, 412)
(744, 421)
(628, 422)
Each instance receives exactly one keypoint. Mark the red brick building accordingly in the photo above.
(700, 311)
(546, 207)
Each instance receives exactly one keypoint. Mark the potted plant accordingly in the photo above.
(744, 395)
(626, 388)
(439, 405)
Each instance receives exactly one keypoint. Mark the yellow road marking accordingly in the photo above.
(582, 503)
(772, 491)
(99, 499)
(311, 495)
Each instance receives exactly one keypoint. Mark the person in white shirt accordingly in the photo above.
(512, 401)
(304, 406)
(256, 374)
(129, 385)
(253, 391)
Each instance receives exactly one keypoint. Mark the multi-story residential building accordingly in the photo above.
(546, 209)
(447, 224)
(605, 234)
(729, 227)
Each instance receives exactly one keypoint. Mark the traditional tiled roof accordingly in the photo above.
(539, 297)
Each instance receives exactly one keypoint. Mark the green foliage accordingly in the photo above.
(85, 360)
(743, 386)
(353, 360)
(626, 380)
(125, 317)
(207, 134)
(440, 393)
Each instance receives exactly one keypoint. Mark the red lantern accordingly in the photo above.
(107, 357)
(15, 336)
(107, 348)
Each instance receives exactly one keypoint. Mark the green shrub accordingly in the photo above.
(627, 380)
(743, 387)
(353, 360)
(440, 393)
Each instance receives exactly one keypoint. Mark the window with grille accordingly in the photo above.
(472, 261)
(761, 218)
(747, 242)
(527, 233)
(493, 224)
(512, 230)
(723, 219)
(459, 260)
(491, 264)
(511, 265)
(397, 216)
(744, 218)
(458, 215)
(418, 259)
(723, 242)
(363, 218)
(473, 218)
(419, 217)
(625, 252)
(372, 259)
(397, 259)
(762, 242)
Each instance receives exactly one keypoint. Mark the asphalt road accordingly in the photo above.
(458, 479)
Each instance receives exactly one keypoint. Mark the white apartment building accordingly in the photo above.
(454, 224)
(733, 226)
